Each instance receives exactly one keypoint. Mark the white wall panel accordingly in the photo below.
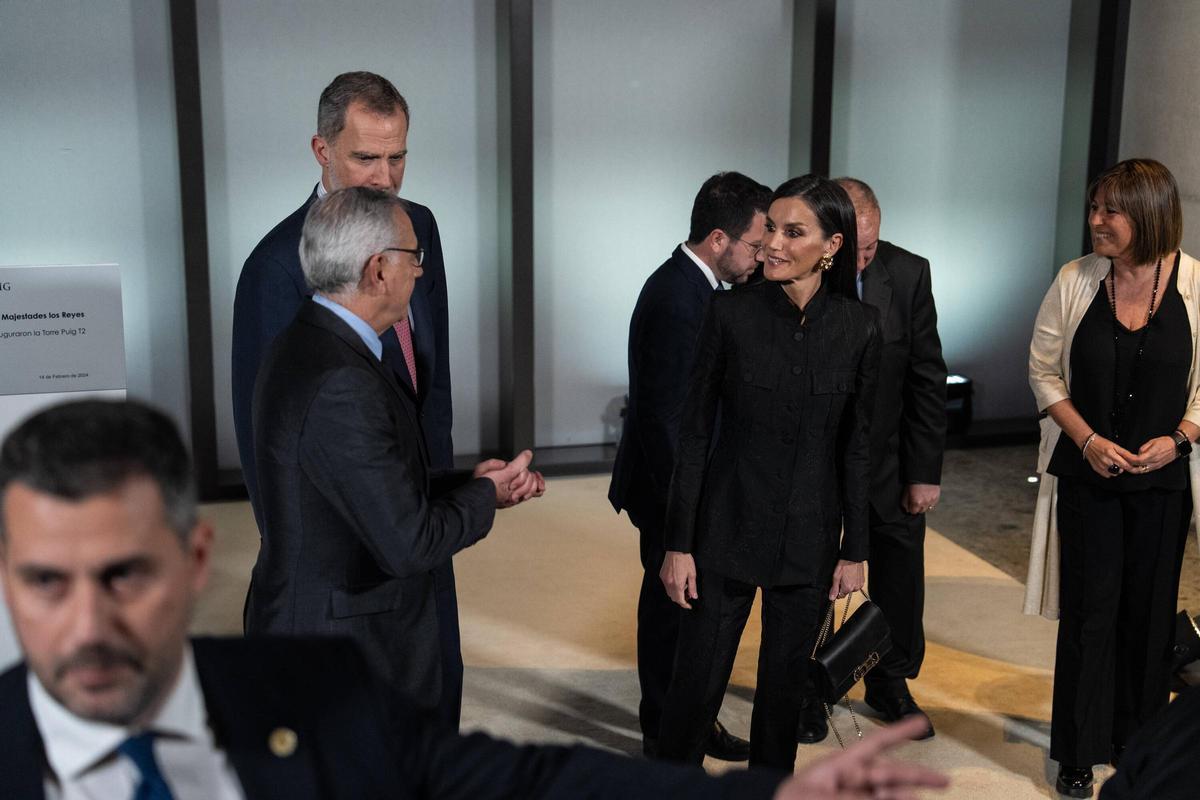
(263, 66)
(636, 104)
(952, 111)
(1162, 99)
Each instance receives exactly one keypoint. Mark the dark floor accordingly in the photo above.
(987, 507)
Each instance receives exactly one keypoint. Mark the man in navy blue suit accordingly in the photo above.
(361, 140)
(723, 247)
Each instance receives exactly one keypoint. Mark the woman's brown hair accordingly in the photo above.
(1144, 191)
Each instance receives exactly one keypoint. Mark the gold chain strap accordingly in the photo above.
(826, 631)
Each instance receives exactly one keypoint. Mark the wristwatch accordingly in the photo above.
(1183, 445)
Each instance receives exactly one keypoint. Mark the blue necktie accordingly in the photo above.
(140, 750)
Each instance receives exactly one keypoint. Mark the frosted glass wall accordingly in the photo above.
(953, 112)
(91, 171)
(635, 105)
(1162, 99)
(263, 66)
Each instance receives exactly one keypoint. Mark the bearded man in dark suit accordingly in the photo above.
(723, 247)
(102, 557)
(361, 140)
(908, 437)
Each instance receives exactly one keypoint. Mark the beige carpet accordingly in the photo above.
(548, 607)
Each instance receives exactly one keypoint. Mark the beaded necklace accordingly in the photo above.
(1120, 405)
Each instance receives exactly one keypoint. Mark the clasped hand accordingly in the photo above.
(1103, 453)
(515, 482)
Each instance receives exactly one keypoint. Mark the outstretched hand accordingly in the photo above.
(860, 771)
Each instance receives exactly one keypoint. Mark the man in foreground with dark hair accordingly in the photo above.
(723, 246)
(361, 140)
(102, 559)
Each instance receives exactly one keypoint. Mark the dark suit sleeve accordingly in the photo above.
(855, 442)
(438, 407)
(923, 423)
(266, 300)
(348, 450)
(664, 352)
(1160, 761)
(480, 768)
(696, 427)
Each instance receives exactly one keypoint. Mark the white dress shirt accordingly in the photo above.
(708, 273)
(84, 764)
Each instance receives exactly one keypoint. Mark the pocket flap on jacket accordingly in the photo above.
(837, 381)
(361, 600)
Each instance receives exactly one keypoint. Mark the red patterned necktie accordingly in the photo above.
(404, 332)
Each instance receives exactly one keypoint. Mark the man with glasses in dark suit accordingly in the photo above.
(723, 247)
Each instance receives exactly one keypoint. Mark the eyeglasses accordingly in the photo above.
(419, 252)
(754, 248)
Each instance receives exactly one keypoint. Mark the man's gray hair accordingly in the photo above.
(373, 91)
(341, 232)
(860, 193)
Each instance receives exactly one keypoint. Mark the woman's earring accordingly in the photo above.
(825, 263)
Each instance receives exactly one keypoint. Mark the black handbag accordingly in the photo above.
(841, 658)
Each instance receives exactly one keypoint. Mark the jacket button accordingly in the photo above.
(841, 387)
(798, 336)
(796, 370)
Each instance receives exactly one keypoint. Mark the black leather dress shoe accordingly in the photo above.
(813, 726)
(724, 746)
(1074, 781)
(894, 707)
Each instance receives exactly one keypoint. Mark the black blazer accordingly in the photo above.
(790, 466)
(353, 517)
(347, 747)
(662, 346)
(271, 289)
(908, 431)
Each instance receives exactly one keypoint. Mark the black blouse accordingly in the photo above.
(1154, 398)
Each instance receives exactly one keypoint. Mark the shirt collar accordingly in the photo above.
(708, 273)
(321, 189)
(365, 332)
(74, 745)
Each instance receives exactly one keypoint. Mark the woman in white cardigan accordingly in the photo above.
(1113, 365)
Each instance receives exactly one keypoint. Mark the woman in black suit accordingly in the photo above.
(760, 496)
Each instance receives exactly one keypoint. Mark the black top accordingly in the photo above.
(790, 467)
(1154, 399)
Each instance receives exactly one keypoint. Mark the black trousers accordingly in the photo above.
(449, 708)
(1120, 556)
(897, 586)
(708, 641)
(657, 632)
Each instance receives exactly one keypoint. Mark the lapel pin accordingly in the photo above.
(282, 742)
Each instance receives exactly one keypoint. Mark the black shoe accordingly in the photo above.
(895, 707)
(1074, 781)
(813, 725)
(724, 746)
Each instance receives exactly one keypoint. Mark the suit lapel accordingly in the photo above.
(877, 289)
(22, 759)
(425, 348)
(252, 725)
(326, 319)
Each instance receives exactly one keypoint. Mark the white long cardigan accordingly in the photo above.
(1050, 376)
